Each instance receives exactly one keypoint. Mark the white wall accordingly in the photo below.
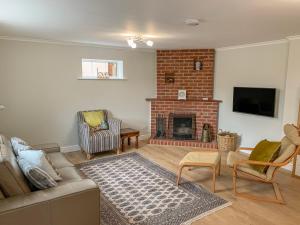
(41, 92)
(251, 66)
(292, 90)
(275, 64)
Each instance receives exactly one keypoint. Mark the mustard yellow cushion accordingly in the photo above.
(94, 118)
(264, 151)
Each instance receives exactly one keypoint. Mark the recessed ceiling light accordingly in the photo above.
(192, 22)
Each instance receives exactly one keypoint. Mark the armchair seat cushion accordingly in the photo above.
(234, 157)
(105, 139)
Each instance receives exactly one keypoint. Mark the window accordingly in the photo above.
(102, 69)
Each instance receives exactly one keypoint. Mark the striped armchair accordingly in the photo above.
(100, 141)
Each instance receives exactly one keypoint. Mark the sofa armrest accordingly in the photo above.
(114, 125)
(48, 148)
(59, 205)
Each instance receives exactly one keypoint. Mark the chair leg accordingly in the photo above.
(219, 169)
(118, 151)
(234, 182)
(213, 187)
(179, 175)
(89, 156)
(278, 196)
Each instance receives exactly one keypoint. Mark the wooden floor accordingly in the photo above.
(242, 211)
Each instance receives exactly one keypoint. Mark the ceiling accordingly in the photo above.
(110, 22)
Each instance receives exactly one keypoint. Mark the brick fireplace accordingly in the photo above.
(178, 66)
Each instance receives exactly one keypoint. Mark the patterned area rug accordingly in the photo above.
(137, 191)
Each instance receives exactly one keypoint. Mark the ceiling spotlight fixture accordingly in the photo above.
(133, 41)
(130, 42)
(149, 43)
(133, 45)
(192, 22)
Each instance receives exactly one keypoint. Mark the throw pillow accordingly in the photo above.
(38, 158)
(36, 176)
(94, 118)
(264, 151)
(19, 144)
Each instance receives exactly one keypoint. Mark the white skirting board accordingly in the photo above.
(74, 148)
(70, 148)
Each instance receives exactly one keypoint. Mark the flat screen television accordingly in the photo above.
(258, 101)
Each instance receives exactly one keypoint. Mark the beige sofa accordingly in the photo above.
(75, 201)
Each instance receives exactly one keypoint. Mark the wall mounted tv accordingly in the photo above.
(258, 101)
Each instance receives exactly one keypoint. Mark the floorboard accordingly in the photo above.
(242, 211)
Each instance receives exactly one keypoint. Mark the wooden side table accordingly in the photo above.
(128, 133)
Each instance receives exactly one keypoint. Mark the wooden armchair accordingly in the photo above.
(290, 146)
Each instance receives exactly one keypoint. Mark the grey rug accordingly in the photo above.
(137, 191)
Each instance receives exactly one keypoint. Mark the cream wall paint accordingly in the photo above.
(41, 92)
(273, 64)
(251, 66)
(292, 93)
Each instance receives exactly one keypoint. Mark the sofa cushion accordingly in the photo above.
(37, 158)
(70, 174)
(58, 160)
(19, 144)
(37, 177)
(12, 180)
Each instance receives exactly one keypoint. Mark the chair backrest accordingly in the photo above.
(81, 117)
(289, 147)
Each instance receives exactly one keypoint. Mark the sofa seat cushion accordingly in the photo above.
(12, 180)
(58, 160)
(70, 174)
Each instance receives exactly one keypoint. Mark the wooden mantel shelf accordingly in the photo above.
(188, 100)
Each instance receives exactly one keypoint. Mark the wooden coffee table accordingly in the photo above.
(128, 133)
